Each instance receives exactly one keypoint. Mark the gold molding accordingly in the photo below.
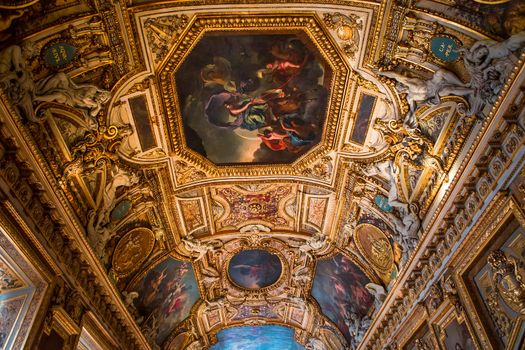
(501, 209)
(306, 23)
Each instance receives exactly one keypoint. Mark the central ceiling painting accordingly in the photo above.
(253, 99)
(266, 337)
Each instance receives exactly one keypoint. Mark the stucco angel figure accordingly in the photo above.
(315, 344)
(129, 298)
(357, 326)
(301, 275)
(218, 302)
(406, 232)
(314, 244)
(196, 247)
(481, 54)
(389, 171)
(61, 88)
(408, 225)
(99, 235)
(489, 64)
(296, 301)
(119, 178)
(209, 278)
(195, 345)
(407, 245)
(254, 228)
(17, 80)
(378, 292)
(6, 18)
(443, 83)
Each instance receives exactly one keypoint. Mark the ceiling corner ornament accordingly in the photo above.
(317, 245)
(186, 173)
(162, 32)
(322, 169)
(347, 28)
(197, 249)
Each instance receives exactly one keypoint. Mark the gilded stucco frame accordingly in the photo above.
(417, 320)
(503, 208)
(307, 24)
(444, 316)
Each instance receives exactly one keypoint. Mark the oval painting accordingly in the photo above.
(255, 268)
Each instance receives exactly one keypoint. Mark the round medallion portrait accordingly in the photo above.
(255, 268)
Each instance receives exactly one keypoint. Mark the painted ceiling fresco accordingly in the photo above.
(251, 174)
(340, 289)
(252, 98)
(257, 338)
(164, 297)
(254, 268)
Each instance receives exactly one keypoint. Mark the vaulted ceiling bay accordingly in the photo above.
(318, 175)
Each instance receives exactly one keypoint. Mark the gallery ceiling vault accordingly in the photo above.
(319, 175)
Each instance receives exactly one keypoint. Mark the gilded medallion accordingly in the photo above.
(132, 250)
(375, 247)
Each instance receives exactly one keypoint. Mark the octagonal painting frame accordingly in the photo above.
(307, 25)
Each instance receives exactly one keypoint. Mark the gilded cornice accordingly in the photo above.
(71, 237)
(438, 239)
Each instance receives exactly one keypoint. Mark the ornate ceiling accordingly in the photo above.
(217, 164)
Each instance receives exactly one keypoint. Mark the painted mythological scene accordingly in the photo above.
(267, 337)
(165, 297)
(252, 98)
(339, 288)
(255, 268)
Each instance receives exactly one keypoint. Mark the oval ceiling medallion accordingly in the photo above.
(375, 246)
(254, 269)
(132, 250)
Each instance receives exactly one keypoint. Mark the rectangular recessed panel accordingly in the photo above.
(139, 110)
(366, 106)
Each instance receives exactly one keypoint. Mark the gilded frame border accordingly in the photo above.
(502, 209)
(306, 23)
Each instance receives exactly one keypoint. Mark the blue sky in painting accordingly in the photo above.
(257, 338)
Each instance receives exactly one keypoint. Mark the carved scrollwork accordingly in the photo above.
(507, 280)
(347, 29)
